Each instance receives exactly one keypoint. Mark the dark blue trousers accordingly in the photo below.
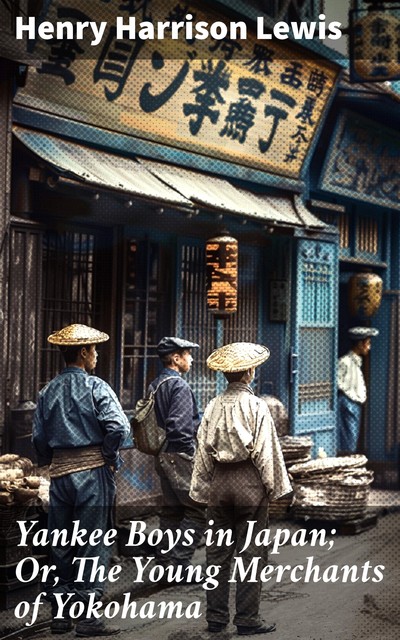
(86, 496)
(349, 423)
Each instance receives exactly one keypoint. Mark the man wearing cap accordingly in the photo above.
(238, 468)
(78, 428)
(352, 389)
(177, 413)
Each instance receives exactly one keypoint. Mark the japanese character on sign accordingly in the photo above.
(293, 153)
(150, 102)
(316, 82)
(115, 63)
(380, 37)
(251, 87)
(299, 136)
(213, 80)
(118, 56)
(227, 46)
(292, 75)
(241, 114)
(63, 52)
(179, 13)
(278, 114)
(262, 57)
(381, 60)
(239, 120)
(307, 111)
(279, 300)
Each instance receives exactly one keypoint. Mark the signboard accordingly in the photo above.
(363, 162)
(253, 102)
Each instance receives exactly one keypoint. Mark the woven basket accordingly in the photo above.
(295, 442)
(278, 509)
(296, 449)
(328, 465)
(355, 477)
(337, 496)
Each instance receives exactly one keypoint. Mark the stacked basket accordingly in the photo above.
(331, 488)
(295, 450)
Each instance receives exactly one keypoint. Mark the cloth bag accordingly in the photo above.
(148, 436)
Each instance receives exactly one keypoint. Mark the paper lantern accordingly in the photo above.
(222, 275)
(365, 294)
(375, 44)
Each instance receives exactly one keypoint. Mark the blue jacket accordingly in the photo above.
(78, 410)
(176, 412)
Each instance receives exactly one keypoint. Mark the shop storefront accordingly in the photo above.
(356, 188)
(123, 171)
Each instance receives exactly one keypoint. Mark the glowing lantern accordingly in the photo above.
(222, 275)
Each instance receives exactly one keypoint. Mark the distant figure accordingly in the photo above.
(352, 389)
(238, 468)
(177, 413)
(78, 428)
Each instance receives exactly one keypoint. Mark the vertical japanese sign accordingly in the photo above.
(254, 102)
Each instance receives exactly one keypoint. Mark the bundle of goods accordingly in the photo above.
(294, 449)
(331, 488)
(19, 490)
(17, 484)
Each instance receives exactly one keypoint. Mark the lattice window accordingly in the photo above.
(367, 239)
(143, 307)
(317, 315)
(342, 222)
(317, 280)
(315, 384)
(243, 325)
(23, 262)
(196, 323)
(68, 289)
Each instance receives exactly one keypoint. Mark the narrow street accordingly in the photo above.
(359, 609)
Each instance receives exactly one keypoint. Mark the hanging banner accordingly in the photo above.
(255, 102)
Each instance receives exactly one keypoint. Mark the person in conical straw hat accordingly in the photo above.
(78, 429)
(238, 468)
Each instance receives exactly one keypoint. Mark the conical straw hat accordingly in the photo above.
(76, 334)
(237, 356)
